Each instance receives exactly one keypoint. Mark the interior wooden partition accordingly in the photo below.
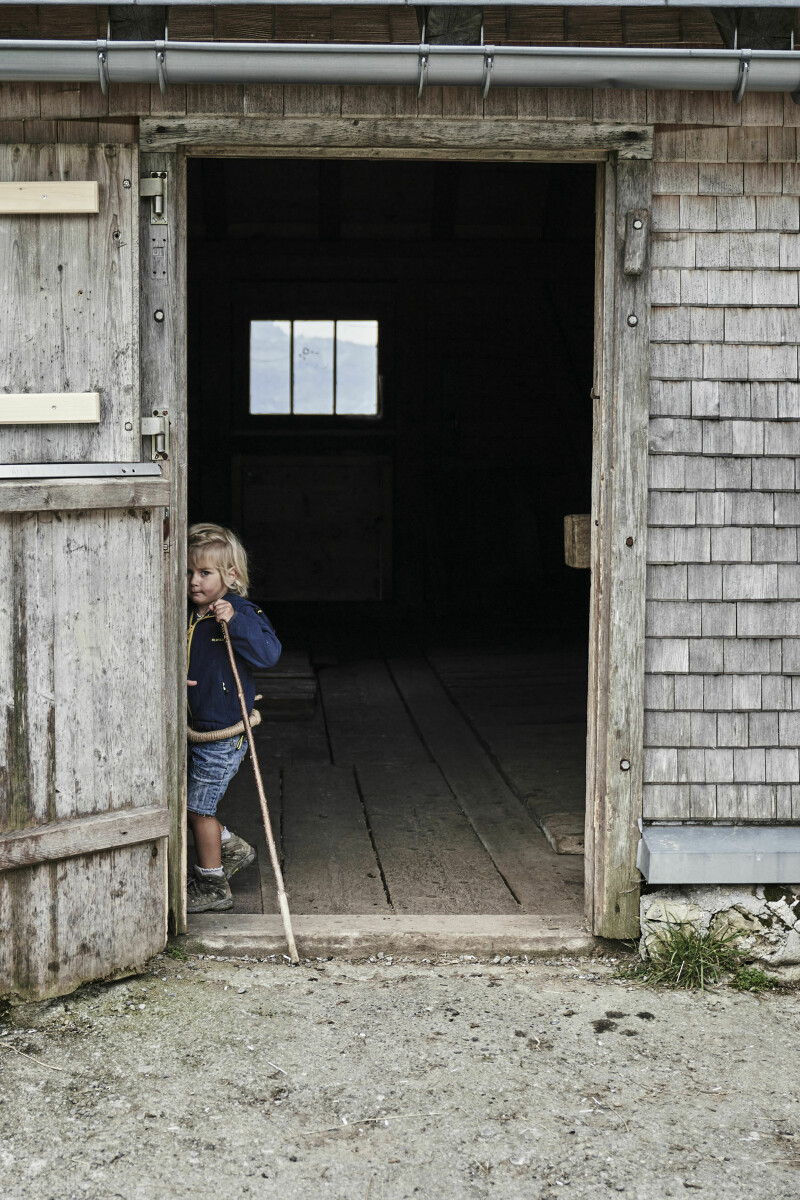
(619, 470)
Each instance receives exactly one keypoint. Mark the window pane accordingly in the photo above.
(357, 367)
(270, 366)
(313, 366)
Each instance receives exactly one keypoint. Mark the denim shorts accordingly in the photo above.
(211, 766)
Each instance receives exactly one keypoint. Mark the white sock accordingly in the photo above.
(226, 834)
(209, 872)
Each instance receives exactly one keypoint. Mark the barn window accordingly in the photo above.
(314, 368)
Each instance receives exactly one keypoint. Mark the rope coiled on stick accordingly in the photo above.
(221, 735)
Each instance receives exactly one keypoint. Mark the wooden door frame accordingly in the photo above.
(621, 408)
(163, 388)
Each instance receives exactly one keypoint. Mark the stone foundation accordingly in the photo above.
(767, 917)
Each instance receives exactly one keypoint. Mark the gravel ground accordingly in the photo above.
(388, 1080)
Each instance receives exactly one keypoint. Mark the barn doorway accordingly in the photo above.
(403, 501)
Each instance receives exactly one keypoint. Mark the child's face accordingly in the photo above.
(206, 583)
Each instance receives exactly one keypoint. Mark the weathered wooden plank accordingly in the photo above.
(637, 240)
(530, 712)
(431, 858)
(49, 196)
(254, 888)
(84, 835)
(108, 660)
(71, 921)
(388, 933)
(367, 720)
(70, 292)
(537, 878)
(49, 408)
(616, 698)
(578, 540)
(82, 667)
(295, 741)
(330, 864)
(167, 133)
(390, 153)
(66, 495)
(289, 689)
(163, 384)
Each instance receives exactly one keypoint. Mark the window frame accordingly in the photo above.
(335, 418)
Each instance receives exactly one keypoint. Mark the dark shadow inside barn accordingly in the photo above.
(390, 371)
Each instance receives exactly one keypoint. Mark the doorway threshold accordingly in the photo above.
(359, 936)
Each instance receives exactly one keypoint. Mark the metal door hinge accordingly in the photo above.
(154, 188)
(157, 428)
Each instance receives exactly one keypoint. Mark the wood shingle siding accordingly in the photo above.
(723, 582)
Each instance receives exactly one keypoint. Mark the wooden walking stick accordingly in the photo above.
(273, 853)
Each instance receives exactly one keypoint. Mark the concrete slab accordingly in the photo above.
(363, 935)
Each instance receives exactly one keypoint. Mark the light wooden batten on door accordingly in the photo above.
(49, 196)
(41, 198)
(50, 408)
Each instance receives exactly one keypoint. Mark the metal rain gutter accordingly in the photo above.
(167, 62)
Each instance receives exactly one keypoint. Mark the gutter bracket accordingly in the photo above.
(424, 52)
(744, 75)
(161, 65)
(102, 66)
(488, 67)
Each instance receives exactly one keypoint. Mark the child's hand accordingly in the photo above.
(222, 610)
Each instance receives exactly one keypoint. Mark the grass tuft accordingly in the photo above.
(753, 979)
(176, 951)
(683, 956)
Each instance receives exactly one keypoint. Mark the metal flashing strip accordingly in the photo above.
(103, 470)
(714, 854)
(164, 62)
(662, 4)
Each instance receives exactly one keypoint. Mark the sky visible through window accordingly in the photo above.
(314, 368)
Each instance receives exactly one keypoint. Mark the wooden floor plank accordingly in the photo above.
(284, 741)
(366, 718)
(330, 865)
(431, 858)
(541, 880)
(534, 725)
(253, 888)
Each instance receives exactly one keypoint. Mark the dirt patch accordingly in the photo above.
(387, 1081)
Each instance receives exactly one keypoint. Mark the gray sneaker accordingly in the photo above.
(236, 853)
(208, 895)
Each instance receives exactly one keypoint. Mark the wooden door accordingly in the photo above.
(84, 556)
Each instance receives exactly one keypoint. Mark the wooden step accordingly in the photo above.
(289, 689)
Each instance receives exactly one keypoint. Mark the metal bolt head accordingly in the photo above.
(637, 224)
(628, 541)
(624, 765)
(126, 183)
(633, 320)
(128, 426)
(158, 315)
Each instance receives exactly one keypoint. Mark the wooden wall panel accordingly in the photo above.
(82, 664)
(69, 922)
(70, 292)
(82, 731)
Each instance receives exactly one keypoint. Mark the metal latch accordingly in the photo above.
(154, 188)
(157, 428)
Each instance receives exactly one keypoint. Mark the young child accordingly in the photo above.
(217, 582)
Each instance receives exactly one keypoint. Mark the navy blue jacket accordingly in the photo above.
(214, 703)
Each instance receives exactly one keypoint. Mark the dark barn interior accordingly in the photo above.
(428, 718)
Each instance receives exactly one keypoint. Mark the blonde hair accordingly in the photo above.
(215, 546)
